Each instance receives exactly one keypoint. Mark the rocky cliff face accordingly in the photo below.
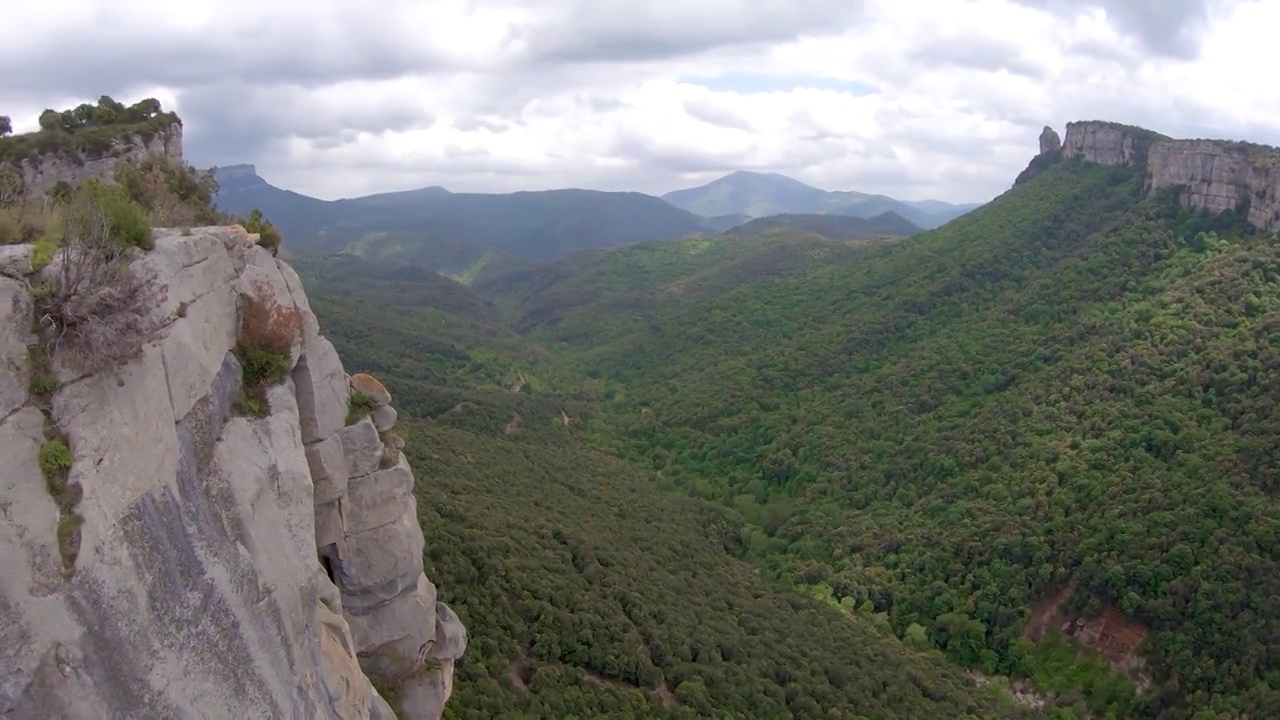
(40, 173)
(1219, 176)
(1213, 175)
(1099, 142)
(199, 562)
(1049, 140)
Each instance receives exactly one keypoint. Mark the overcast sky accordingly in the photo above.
(921, 99)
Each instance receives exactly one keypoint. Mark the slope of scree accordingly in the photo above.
(590, 591)
(1071, 387)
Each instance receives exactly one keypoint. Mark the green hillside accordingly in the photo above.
(588, 589)
(607, 294)
(833, 227)
(1072, 384)
(1058, 408)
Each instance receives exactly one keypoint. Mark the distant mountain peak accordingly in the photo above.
(239, 170)
(755, 194)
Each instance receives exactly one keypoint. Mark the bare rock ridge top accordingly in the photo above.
(197, 560)
(1213, 175)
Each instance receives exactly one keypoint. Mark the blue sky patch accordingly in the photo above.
(749, 83)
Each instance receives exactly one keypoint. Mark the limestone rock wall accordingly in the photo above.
(48, 170)
(1218, 176)
(1049, 141)
(1212, 175)
(1099, 142)
(224, 565)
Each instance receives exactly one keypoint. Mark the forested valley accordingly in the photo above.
(784, 476)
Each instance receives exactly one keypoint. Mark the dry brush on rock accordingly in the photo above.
(99, 309)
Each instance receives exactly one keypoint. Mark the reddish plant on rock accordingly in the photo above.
(268, 331)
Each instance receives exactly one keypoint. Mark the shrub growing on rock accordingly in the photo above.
(268, 235)
(126, 222)
(268, 331)
(171, 192)
(359, 406)
(100, 309)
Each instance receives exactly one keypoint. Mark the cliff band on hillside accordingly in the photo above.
(227, 565)
(47, 170)
(1213, 175)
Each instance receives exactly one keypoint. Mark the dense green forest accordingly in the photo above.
(833, 227)
(1069, 390)
(588, 591)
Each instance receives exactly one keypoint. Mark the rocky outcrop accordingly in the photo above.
(1220, 177)
(1049, 141)
(1099, 142)
(1213, 175)
(221, 564)
(47, 170)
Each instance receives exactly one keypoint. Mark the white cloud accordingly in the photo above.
(931, 98)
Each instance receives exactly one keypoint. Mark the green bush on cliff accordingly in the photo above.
(268, 331)
(172, 193)
(359, 405)
(99, 207)
(268, 235)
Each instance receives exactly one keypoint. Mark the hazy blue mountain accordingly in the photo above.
(756, 194)
(410, 225)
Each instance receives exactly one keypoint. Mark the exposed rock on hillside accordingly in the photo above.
(1100, 142)
(48, 169)
(1220, 176)
(195, 559)
(1049, 140)
(1213, 175)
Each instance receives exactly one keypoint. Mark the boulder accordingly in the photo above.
(371, 386)
(15, 261)
(384, 418)
(362, 446)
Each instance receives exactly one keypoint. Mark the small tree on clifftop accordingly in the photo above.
(6, 126)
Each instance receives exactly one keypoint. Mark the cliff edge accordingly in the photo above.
(179, 543)
(1212, 175)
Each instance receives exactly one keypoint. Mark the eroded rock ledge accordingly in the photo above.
(1213, 175)
(225, 565)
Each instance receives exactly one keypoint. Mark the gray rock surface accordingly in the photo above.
(322, 390)
(1100, 142)
(1049, 141)
(15, 260)
(48, 170)
(1217, 176)
(384, 418)
(363, 447)
(15, 335)
(197, 582)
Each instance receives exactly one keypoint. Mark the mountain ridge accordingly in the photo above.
(531, 225)
(761, 194)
